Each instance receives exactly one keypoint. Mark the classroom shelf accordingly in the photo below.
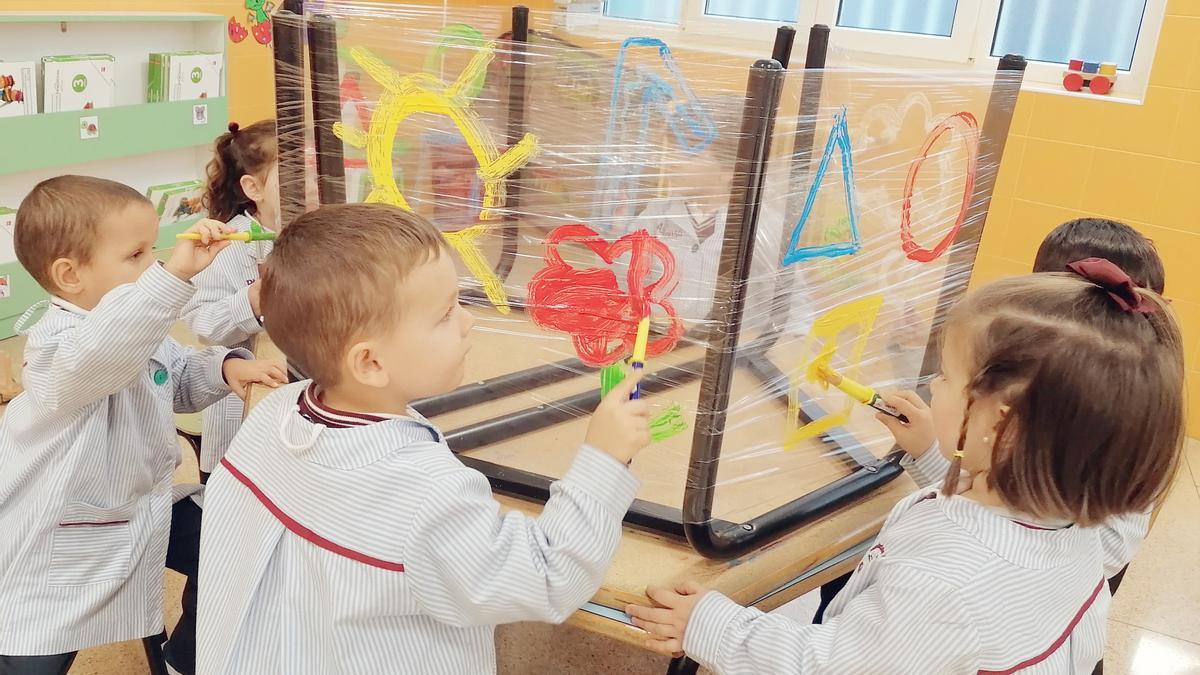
(48, 140)
(24, 291)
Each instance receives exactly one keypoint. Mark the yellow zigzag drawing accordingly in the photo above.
(859, 314)
(404, 96)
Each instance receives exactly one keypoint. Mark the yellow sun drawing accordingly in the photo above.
(423, 93)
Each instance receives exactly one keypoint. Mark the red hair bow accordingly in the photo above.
(1115, 282)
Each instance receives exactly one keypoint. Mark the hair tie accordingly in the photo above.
(1115, 282)
(233, 128)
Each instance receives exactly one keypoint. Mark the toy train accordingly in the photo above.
(1098, 77)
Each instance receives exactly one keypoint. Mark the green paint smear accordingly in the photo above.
(664, 425)
(667, 423)
(457, 34)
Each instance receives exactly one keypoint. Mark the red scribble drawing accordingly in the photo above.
(590, 306)
(967, 129)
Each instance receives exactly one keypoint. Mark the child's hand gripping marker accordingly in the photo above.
(638, 361)
(819, 371)
(255, 233)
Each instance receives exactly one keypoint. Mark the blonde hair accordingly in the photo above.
(59, 218)
(333, 277)
(1096, 414)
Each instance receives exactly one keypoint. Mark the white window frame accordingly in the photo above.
(968, 47)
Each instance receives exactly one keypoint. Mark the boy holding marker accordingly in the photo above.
(346, 534)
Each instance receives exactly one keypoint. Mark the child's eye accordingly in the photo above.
(136, 254)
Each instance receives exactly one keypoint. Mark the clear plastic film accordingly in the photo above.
(769, 222)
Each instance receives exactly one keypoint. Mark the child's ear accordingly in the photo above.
(1000, 413)
(364, 367)
(252, 188)
(64, 274)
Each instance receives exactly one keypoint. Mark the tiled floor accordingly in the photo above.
(1154, 627)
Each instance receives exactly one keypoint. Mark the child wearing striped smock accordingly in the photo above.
(88, 509)
(341, 533)
(243, 188)
(1061, 397)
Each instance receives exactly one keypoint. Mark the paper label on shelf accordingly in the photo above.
(89, 127)
(8, 220)
(18, 88)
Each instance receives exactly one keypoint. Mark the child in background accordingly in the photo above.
(1061, 400)
(341, 533)
(88, 452)
(1116, 242)
(243, 188)
(1071, 241)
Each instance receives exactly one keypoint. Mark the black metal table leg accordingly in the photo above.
(682, 665)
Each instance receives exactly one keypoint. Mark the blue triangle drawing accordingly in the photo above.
(839, 137)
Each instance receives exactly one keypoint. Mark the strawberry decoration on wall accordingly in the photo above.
(262, 32)
(259, 19)
(237, 32)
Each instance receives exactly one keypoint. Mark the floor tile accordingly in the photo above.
(1136, 651)
(1161, 590)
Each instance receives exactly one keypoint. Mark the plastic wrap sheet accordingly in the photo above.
(612, 189)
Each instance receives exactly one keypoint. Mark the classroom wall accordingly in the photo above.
(1068, 157)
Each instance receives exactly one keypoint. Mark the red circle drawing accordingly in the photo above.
(967, 128)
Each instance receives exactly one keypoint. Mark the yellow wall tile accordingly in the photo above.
(1122, 185)
(1010, 166)
(1188, 315)
(989, 268)
(1054, 173)
(1180, 252)
(1147, 128)
(1023, 113)
(1186, 143)
(1175, 205)
(1177, 52)
(995, 228)
(1028, 224)
(1183, 7)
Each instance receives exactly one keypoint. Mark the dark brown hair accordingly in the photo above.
(333, 277)
(1117, 242)
(239, 152)
(59, 218)
(1096, 395)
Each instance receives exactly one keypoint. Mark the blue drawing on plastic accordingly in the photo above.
(690, 123)
(839, 137)
(638, 97)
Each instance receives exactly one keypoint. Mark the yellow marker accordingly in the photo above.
(826, 332)
(638, 361)
(232, 236)
(859, 392)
